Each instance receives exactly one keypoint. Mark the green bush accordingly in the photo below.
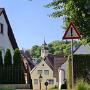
(82, 85)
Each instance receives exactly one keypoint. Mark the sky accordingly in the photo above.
(30, 22)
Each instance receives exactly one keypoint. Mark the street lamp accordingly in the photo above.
(40, 80)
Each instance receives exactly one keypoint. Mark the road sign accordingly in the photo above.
(46, 83)
(71, 32)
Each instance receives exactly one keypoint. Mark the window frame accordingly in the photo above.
(46, 73)
(38, 71)
(50, 81)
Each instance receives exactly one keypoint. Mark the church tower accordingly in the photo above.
(44, 50)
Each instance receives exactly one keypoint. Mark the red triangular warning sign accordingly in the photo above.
(71, 32)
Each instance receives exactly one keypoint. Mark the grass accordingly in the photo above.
(53, 88)
(82, 85)
(6, 89)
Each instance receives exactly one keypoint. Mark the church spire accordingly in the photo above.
(45, 41)
(44, 50)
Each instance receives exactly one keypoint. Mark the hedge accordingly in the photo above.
(12, 73)
(81, 68)
(81, 64)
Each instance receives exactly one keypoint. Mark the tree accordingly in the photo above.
(7, 71)
(1, 59)
(55, 47)
(8, 58)
(76, 10)
(1, 67)
(18, 69)
(17, 57)
(35, 51)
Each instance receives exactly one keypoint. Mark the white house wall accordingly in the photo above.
(83, 49)
(62, 74)
(4, 39)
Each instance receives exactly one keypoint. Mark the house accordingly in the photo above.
(47, 68)
(54, 62)
(7, 39)
(46, 73)
(82, 59)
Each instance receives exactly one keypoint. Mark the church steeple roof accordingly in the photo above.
(45, 45)
(45, 41)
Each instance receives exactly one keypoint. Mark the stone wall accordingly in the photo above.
(16, 86)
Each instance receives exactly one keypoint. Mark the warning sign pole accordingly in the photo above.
(72, 33)
(72, 77)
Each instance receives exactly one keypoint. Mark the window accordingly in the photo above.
(42, 51)
(46, 72)
(50, 81)
(1, 28)
(35, 81)
(39, 71)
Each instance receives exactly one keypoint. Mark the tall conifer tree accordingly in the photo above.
(1, 59)
(8, 58)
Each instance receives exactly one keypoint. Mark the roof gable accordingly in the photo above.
(50, 61)
(10, 32)
(39, 65)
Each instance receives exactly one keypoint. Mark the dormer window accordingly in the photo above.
(1, 28)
